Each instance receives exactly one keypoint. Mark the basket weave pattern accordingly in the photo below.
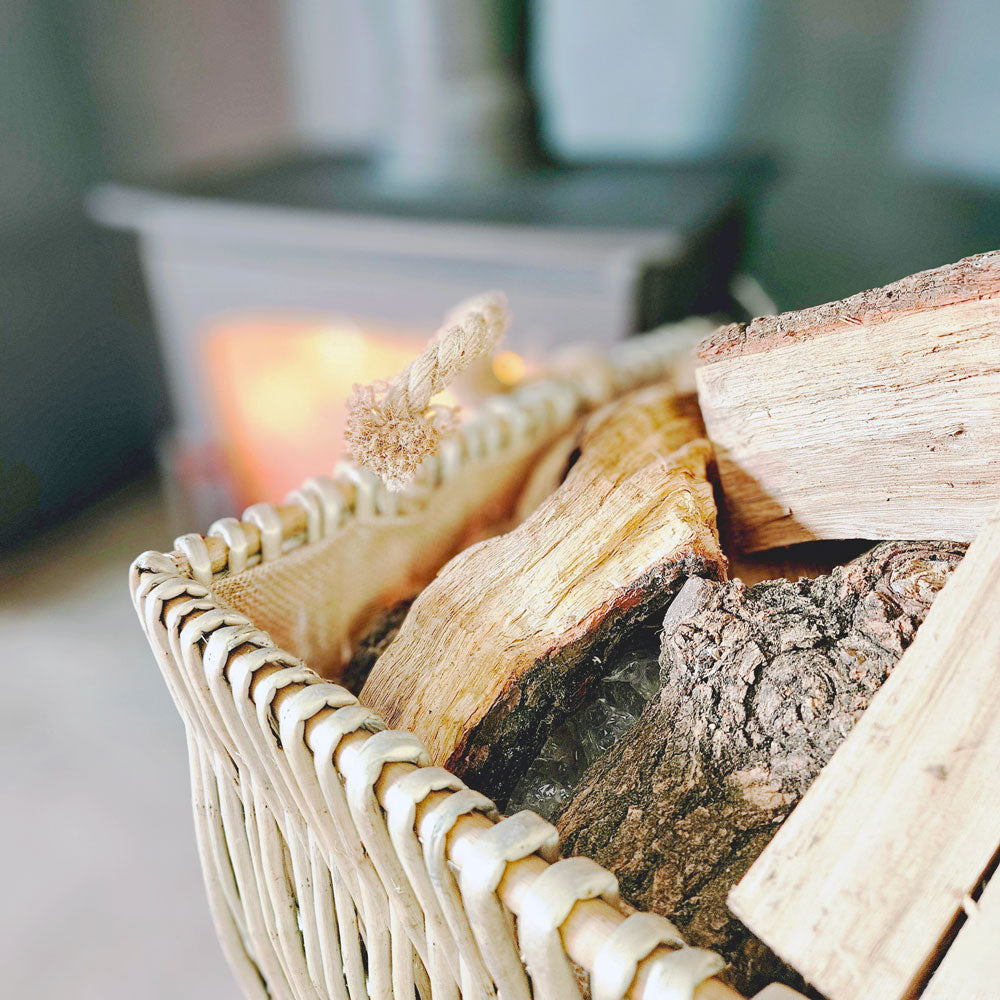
(339, 863)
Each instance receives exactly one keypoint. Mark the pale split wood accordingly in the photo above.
(859, 888)
(875, 417)
(970, 969)
(546, 476)
(499, 639)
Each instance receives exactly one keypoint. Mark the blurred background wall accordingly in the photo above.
(880, 115)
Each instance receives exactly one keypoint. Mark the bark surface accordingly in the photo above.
(383, 629)
(759, 687)
(976, 277)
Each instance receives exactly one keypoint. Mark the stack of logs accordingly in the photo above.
(874, 418)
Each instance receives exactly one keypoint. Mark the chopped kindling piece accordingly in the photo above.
(502, 644)
(874, 417)
(759, 687)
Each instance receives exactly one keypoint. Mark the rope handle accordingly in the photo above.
(391, 425)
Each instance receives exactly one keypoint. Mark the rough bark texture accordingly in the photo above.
(976, 277)
(760, 686)
(501, 645)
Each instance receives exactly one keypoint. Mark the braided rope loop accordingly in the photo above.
(391, 425)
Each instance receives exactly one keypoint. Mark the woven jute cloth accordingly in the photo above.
(316, 600)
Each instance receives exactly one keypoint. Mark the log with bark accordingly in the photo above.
(759, 686)
(508, 637)
(874, 417)
(906, 818)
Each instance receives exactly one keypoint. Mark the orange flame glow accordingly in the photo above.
(278, 389)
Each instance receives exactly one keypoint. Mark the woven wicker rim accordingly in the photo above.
(339, 863)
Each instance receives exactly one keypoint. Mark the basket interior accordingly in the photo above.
(316, 600)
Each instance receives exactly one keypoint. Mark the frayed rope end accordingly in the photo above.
(391, 428)
(393, 444)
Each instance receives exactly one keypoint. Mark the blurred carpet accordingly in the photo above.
(102, 895)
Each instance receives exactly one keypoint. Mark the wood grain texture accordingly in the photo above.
(971, 968)
(549, 472)
(875, 417)
(510, 633)
(864, 880)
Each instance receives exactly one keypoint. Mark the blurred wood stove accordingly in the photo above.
(275, 288)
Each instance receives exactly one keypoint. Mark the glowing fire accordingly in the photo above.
(278, 389)
(509, 367)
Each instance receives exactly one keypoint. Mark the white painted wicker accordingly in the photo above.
(339, 863)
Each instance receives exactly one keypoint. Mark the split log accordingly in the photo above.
(874, 417)
(759, 686)
(882, 852)
(507, 638)
(547, 476)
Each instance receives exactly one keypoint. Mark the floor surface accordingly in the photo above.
(102, 896)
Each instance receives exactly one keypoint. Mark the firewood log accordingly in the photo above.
(888, 851)
(759, 687)
(506, 639)
(548, 474)
(874, 417)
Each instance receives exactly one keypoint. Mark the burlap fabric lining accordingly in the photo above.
(317, 601)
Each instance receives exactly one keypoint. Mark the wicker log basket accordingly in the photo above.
(338, 861)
